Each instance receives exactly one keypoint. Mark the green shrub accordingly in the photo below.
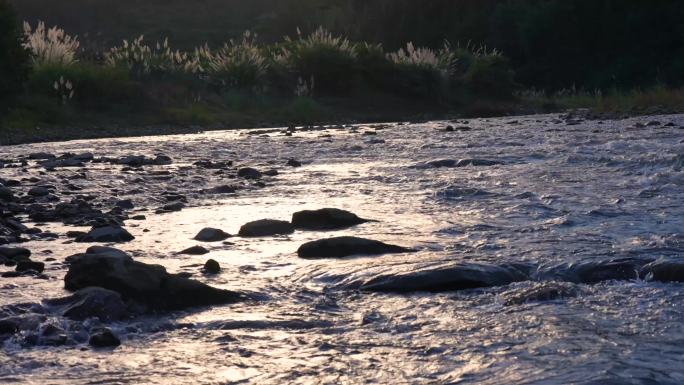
(490, 76)
(13, 57)
(326, 62)
(157, 61)
(84, 84)
(238, 65)
(51, 46)
(421, 72)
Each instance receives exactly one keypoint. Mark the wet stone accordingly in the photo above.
(209, 234)
(104, 338)
(249, 173)
(266, 227)
(194, 250)
(30, 265)
(341, 247)
(325, 219)
(212, 267)
(106, 234)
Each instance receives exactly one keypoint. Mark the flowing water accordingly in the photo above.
(561, 193)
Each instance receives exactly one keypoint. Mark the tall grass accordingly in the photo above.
(51, 46)
(156, 60)
(321, 59)
(238, 64)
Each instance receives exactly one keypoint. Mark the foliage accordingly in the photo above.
(156, 61)
(51, 46)
(13, 57)
(551, 44)
(322, 59)
(84, 84)
(238, 64)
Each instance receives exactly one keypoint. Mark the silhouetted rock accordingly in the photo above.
(30, 265)
(14, 253)
(325, 219)
(545, 291)
(664, 271)
(106, 234)
(266, 227)
(107, 305)
(104, 338)
(593, 271)
(460, 276)
(209, 234)
(194, 250)
(341, 247)
(212, 267)
(146, 284)
(249, 173)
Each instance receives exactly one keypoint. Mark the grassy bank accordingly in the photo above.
(309, 79)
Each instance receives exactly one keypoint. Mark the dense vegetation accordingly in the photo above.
(552, 44)
(13, 58)
(309, 61)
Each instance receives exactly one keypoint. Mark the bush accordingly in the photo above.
(50, 46)
(158, 61)
(490, 76)
(421, 72)
(238, 65)
(13, 57)
(325, 61)
(84, 84)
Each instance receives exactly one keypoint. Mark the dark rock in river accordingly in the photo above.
(224, 189)
(593, 271)
(194, 250)
(38, 191)
(451, 163)
(173, 206)
(249, 173)
(212, 267)
(146, 284)
(294, 163)
(14, 253)
(266, 227)
(6, 194)
(125, 204)
(457, 277)
(104, 338)
(106, 234)
(209, 234)
(341, 247)
(91, 302)
(545, 291)
(325, 219)
(664, 271)
(23, 266)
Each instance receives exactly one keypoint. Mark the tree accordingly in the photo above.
(14, 63)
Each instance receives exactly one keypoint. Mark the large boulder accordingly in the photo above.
(266, 227)
(106, 234)
(107, 305)
(341, 247)
(460, 276)
(325, 219)
(209, 234)
(150, 285)
(664, 271)
(593, 271)
(452, 163)
(249, 173)
(104, 338)
(14, 253)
